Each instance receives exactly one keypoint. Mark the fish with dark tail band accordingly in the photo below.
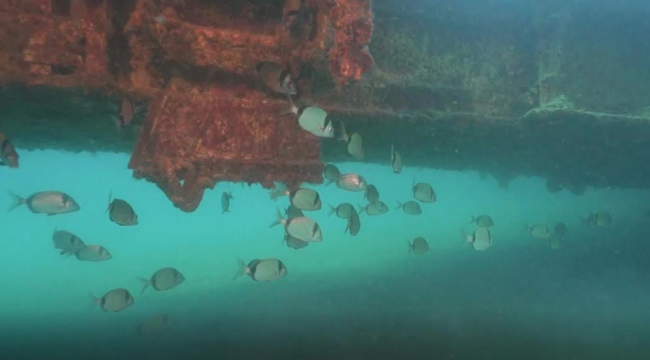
(163, 279)
(120, 212)
(8, 154)
(114, 300)
(313, 119)
(46, 202)
(225, 202)
(262, 270)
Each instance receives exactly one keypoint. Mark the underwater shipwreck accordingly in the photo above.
(558, 94)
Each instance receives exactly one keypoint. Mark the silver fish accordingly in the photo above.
(163, 279)
(343, 211)
(154, 324)
(302, 198)
(561, 229)
(261, 270)
(275, 77)
(93, 253)
(47, 202)
(377, 208)
(8, 154)
(294, 243)
(303, 228)
(419, 246)
(395, 160)
(410, 207)
(67, 242)
(481, 239)
(482, 221)
(372, 194)
(354, 223)
(114, 300)
(127, 112)
(354, 143)
(313, 119)
(539, 231)
(121, 212)
(423, 192)
(225, 202)
(331, 173)
(352, 182)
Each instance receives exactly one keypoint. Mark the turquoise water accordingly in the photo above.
(348, 297)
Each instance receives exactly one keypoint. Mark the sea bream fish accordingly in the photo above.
(93, 253)
(351, 182)
(262, 270)
(303, 228)
(313, 119)
(372, 194)
(354, 223)
(538, 231)
(163, 279)
(276, 78)
(67, 242)
(121, 212)
(47, 202)
(354, 143)
(480, 240)
(395, 160)
(302, 198)
(343, 210)
(484, 221)
(331, 173)
(423, 192)
(114, 300)
(371, 209)
(410, 207)
(8, 154)
(419, 246)
(126, 115)
(225, 202)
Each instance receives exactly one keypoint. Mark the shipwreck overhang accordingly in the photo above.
(540, 88)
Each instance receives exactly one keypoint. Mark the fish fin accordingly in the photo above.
(51, 214)
(145, 284)
(110, 199)
(332, 210)
(230, 195)
(280, 219)
(16, 201)
(94, 299)
(241, 270)
(347, 227)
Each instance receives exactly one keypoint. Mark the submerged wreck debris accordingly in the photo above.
(208, 119)
(527, 96)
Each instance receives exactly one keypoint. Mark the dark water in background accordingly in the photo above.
(360, 297)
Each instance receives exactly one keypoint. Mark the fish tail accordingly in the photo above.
(347, 227)
(279, 220)
(110, 198)
(277, 191)
(525, 227)
(466, 238)
(94, 299)
(399, 205)
(410, 247)
(473, 219)
(16, 201)
(361, 209)
(230, 195)
(226, 211)
(241, 270)
(328, 183)
(344, 134)
(332, 210)
(293, 109)
(145, 284)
